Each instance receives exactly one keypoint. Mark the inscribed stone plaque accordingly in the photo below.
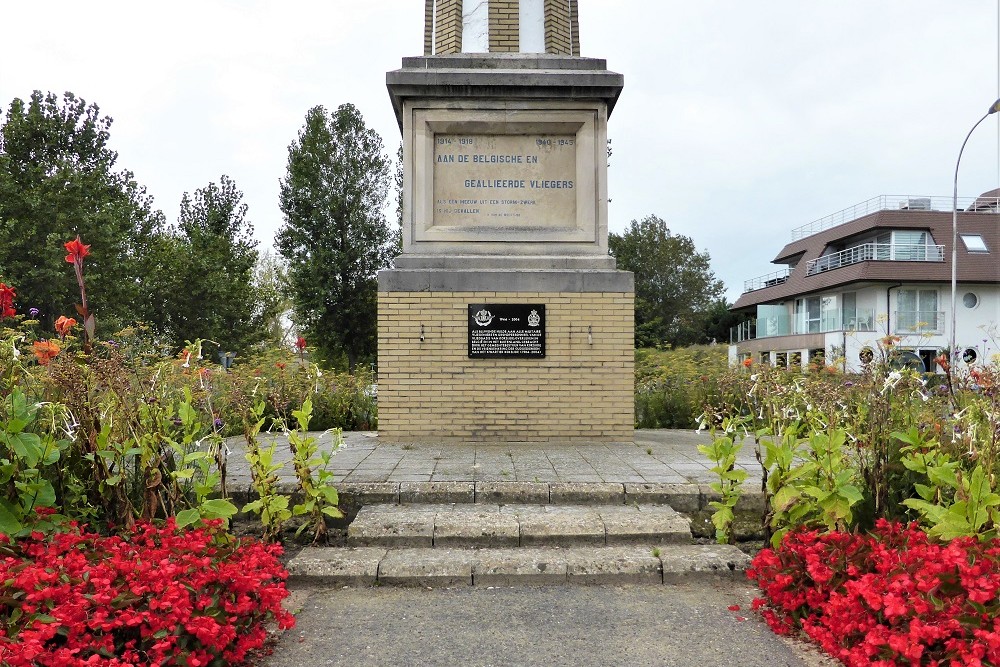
(504, 180)
(506, 330)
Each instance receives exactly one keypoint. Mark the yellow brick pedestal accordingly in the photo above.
(430, 389)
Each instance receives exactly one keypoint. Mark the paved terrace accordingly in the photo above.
(653, 457)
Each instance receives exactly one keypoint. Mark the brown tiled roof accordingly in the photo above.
(972, 267)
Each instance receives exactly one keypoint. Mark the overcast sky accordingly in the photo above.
(739, 120)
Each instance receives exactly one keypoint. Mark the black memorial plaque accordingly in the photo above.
(507, 330)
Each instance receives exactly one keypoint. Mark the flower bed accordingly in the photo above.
(158, 596)
(892, 597)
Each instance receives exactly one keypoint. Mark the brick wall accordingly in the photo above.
(431, 389)
(558, 34)
(562, 27)
(428, 27)
(448, 37)
(574, 26)
(505, 22)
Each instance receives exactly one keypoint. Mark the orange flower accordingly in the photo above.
(747, 362)
(280, 365)
(64, 325)
(45, 351)
(76, 251)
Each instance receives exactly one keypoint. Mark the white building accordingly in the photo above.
(881, 267)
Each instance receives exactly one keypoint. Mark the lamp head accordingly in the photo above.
(994, 107)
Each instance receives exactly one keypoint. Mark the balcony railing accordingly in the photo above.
(767, 280)
(895, 203)
(770, 327)
(918, 322)
(895, 252)
(743, 331)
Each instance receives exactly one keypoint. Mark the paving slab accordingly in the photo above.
(426, 567)
(613, 565)
(588, 493)
(392, 525)
(694, 561)
(504, 493)
(370, 493)
(437, 492)
(524, 566)
(644, 524)
(338, 567)
(682, 497)
(557, 525)
(670, 564)
(475, 525)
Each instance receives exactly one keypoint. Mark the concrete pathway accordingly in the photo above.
(654, 457)
(552, 626)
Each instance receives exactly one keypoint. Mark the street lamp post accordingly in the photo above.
(954, 230)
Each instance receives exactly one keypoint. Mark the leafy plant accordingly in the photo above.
(319, 496)
(722, 452)
(27, 463)
(270, 505)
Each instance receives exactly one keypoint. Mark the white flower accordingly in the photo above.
(187, 361)
(891, 381)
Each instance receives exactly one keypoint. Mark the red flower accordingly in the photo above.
(6, 301)
(64, 325)
(76, 250)
(45, 351)
(300, 343)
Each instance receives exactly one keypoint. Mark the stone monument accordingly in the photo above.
(504, 318)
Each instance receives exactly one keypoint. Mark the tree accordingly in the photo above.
(270, 280)
(674, 285)
(335, 236)
(58, 180)
(204, 275)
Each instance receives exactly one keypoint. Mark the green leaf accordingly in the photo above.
(9, 524)
(852, 494)
(333, 512)
(28, 446)
(218, 508)
(187, 517)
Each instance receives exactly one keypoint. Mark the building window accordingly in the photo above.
(917, 311)
(807, 314)
(974, 243)
(970, 300)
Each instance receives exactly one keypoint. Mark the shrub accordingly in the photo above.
(892, 597)
(673, 386)
(157, 596)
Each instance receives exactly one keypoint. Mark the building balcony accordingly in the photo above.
(918, 322)
(767, 280)
(772, 327)
(895, 203)
(876, 252)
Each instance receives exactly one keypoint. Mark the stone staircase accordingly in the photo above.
(484, 543)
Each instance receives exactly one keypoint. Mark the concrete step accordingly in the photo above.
(494, 526)
(437, 567)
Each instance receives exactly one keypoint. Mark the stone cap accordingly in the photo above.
(453, 280)
(513, 75)
(479, 262)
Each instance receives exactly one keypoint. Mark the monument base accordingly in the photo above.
(431, 389)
